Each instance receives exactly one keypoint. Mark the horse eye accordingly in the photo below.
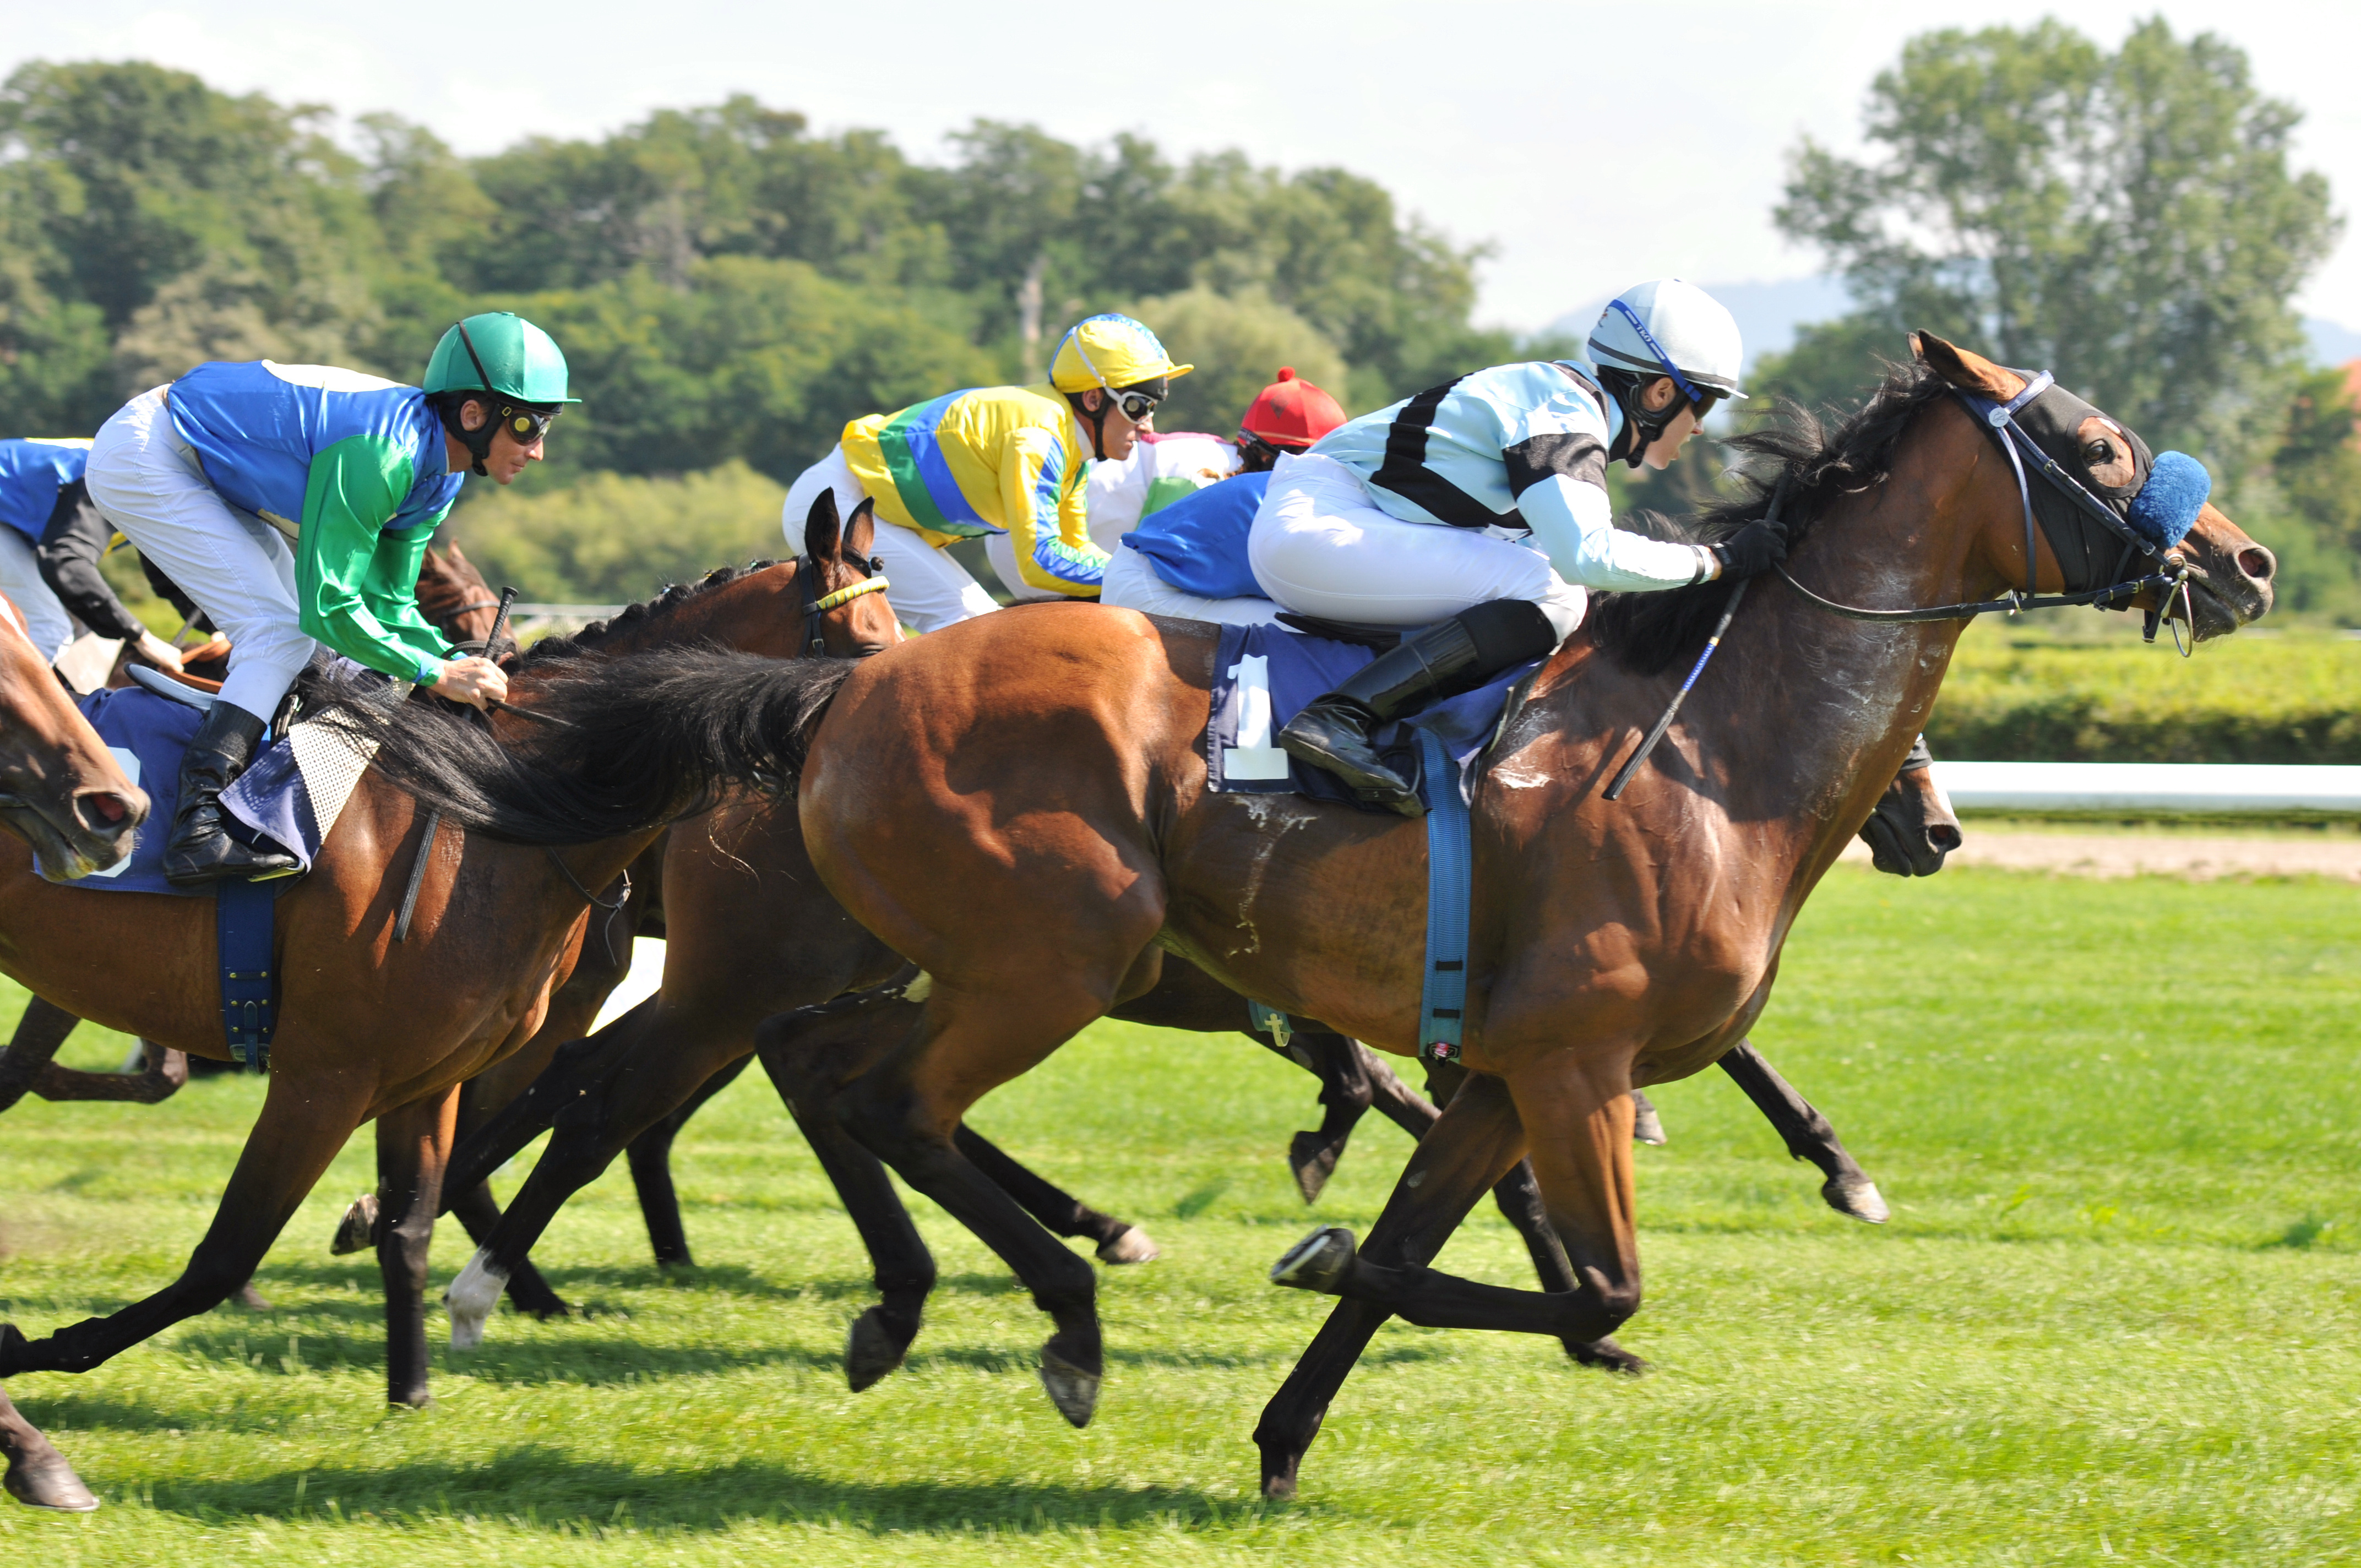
(2098, 452)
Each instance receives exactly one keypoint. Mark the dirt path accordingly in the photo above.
(2189, 855)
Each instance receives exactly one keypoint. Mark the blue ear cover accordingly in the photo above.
(2167, 507)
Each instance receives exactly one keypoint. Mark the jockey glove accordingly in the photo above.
(1753, 549)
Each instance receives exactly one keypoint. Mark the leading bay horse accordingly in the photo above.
(369, 1027)
(1018, 805)
(65, 798)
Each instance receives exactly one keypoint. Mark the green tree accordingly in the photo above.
(2126, 219)
(614, 538)
(1237, 346)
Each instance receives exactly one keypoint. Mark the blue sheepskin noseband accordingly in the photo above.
(2167, 507)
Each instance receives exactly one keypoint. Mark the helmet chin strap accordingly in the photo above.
(479, 441)
(1641, 426)
(1097, 421)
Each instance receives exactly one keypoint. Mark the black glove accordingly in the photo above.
(1753, 549)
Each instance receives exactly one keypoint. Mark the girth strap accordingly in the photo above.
(1450, 872)
(245, 918)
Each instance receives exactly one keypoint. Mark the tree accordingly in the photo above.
(2128, 220)
(1237, 346)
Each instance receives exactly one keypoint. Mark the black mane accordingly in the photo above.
(597, 632)
(1649, 633)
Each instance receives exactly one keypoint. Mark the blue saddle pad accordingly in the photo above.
(148, 735)
(1264, 676)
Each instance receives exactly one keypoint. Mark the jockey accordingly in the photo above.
(293, 503)
(1188, 559)
(1478, 510)
(48, 514)
(1004, 462)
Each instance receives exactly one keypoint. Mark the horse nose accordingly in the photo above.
(1943, 837)
(107, 813)
(2259, 563)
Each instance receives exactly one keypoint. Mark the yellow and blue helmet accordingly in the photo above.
(1108, 352)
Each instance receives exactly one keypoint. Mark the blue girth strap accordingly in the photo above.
(244, 914)
(1450, 871)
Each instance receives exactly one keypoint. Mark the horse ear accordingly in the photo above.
(1969, 372)
(454, 557)
(821, 526)
(862, 531)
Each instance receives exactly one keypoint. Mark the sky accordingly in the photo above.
(1590, 146)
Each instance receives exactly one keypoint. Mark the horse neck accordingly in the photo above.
(756, 612)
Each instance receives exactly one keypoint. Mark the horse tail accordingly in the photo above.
(633, 742)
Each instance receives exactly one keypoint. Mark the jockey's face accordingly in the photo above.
(1658, 394)
(1118, 436)
(507, 459)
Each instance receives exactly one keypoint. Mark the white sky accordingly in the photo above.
(1527, 124)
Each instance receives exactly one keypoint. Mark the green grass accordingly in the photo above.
(2115, 1313)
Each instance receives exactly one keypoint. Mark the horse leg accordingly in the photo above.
(1345, 1095)
(1647, 1127)
(304, 1123)
(1848, 1190)
(39, 1032)
(795, 1051)
(1471, 1145)
(477, 1212)
(161, 1076)
(1116, 1240)
(38, 1475)
(577, 1070)
(650, 1155)
(906, 1110)
(413, 1142)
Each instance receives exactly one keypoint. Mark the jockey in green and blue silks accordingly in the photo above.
(1477, 510)
(292, 503)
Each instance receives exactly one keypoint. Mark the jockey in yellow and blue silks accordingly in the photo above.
(1003, 463)
(292, 503)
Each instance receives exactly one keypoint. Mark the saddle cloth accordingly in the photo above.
(291, 795)
(1264, 676)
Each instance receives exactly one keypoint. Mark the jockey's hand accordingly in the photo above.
(472, 680)
(156, 650)
(1753, 549)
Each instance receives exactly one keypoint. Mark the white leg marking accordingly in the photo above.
(471, 1299)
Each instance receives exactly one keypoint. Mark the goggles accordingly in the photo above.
(1137, 406)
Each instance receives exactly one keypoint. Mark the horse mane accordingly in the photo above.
(549, 650)
(1648, 633)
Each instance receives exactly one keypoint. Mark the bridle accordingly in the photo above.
(1998, 420)
(818, 604)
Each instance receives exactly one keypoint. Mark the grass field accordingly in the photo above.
(2115, 1317)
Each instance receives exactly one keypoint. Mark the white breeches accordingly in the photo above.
(1320, 546)
(1132, 583)
(46, 620)
(930, 590)
(237, 567)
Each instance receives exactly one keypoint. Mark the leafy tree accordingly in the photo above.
(614, 538)
(1237, 346)
(2126, 219)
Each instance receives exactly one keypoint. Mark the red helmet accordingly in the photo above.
(1292, 414)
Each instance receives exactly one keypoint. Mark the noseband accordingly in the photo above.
(1998, 420)
(816, 604)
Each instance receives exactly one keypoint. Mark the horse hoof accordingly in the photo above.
(1313, 1160)
(873, 1349)
(471, 1299)
(1604, 1355)
(1857, 1196)
(49, 1483)
(1074, 1391)
(1647, 1127)
(250, 1299)
(1133, 1245)
(356, 1232)
(1319, 1262)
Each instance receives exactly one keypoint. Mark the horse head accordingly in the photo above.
(61, 790)
(843, 570)
(1911, 827)
(2229, 574)
(453, 596)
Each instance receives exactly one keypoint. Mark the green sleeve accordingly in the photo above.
(356, 584)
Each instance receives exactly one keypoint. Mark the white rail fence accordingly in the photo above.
(2177, 789)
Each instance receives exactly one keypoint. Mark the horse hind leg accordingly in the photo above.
(1116, 1240)
(40, 1032)
(1807, 1134)
(650, 1157)
(413, 1142)
(1346, 1096)
(38, 1476)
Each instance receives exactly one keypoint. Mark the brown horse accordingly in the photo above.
(63, 792)
(369, 1027)
(1019, 805)
(458, 603)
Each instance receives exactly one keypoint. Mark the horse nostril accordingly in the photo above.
(102, 809)
(1942, 838)
(2257, 562)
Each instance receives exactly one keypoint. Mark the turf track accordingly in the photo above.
(2115, 1312)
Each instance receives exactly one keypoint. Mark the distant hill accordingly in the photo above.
(1769, 313)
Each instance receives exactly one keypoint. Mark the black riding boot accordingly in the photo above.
(199, 851)
(1447, 659)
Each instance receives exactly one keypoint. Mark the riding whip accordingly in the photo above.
(1737, 592)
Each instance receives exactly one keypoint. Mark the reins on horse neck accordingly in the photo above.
(607, 930)
(1729, 608)
(1999, 420)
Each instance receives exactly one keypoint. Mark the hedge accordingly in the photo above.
(2291, 698)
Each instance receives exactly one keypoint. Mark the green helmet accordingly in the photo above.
(501, 352)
